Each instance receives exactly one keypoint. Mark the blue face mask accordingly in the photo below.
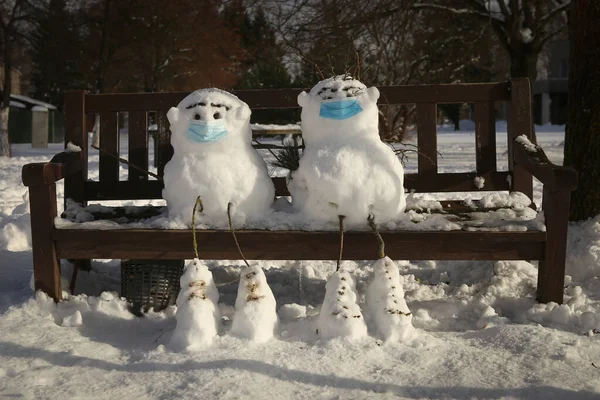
(206, 131)
(340, 109)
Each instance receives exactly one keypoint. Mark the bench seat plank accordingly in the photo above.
(297, 245)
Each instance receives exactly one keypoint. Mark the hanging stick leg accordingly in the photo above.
(234, 236)
(341, 217)
(380, 242)
(198, 202)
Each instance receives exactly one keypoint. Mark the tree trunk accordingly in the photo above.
(523, 64)
(7, 87)
(4, 140)
(582, 141)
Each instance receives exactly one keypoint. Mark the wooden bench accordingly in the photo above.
(51, 243)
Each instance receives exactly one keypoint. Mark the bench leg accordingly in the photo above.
(551, 274)
(46, 266)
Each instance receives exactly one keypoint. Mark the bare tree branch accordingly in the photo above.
(551, 14)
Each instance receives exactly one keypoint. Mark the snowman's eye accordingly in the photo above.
(217, 116)
(333, 90)
(196, 116)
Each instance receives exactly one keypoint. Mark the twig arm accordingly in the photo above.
(127, 163)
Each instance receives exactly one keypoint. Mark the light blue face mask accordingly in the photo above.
(340, 109)
(207, 131)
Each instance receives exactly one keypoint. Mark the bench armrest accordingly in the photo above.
(531, 157)
(62, 165)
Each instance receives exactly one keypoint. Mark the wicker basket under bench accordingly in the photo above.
(51, 244)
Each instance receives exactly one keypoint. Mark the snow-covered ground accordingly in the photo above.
(479, 332)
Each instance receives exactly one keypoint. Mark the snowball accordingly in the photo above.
(345, 168)
(526, 35)
(292, 311)
(74, 319)
(340, 314)
(513, 199)
(528, 144)
(255, 307)
(72, 148)
(227, 170)
(198, 316)
(386, 303)
(479, 182)
(490, 318)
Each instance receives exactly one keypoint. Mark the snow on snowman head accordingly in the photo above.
(207, 118)
(339, 105)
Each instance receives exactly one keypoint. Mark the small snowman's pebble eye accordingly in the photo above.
(217, 116)
(333, 90)
(196, 116)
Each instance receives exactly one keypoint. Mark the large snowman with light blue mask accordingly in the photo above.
(346, 169)
(214, 159)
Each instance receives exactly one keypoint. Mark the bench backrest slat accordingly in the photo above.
(165, 150)
(520, 123)
(138, 144)
(287, 98)
(427, 140)
(146, 108)
(109, 143)
(485, 137)
(76, 133)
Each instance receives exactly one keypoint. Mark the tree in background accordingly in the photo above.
(395, 43)
(522, 27)
(185, 45)
(16, 19)
(582, 141)
(56, 54)
(262, 66)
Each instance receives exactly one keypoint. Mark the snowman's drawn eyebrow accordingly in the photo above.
(220, 105)
(200, 103)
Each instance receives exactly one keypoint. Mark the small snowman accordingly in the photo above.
(386, 304)
(198, 316)
(214, 159)
(340, 314)
(346, 170)
(255, 307)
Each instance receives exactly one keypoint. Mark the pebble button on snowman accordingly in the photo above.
(214, 159)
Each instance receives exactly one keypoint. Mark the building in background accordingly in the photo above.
(22, 122)
(550, 93)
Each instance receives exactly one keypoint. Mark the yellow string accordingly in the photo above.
(234, 236)
(341, 218)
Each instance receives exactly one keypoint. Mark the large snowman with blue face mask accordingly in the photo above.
(213, 158)
(346, 169)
